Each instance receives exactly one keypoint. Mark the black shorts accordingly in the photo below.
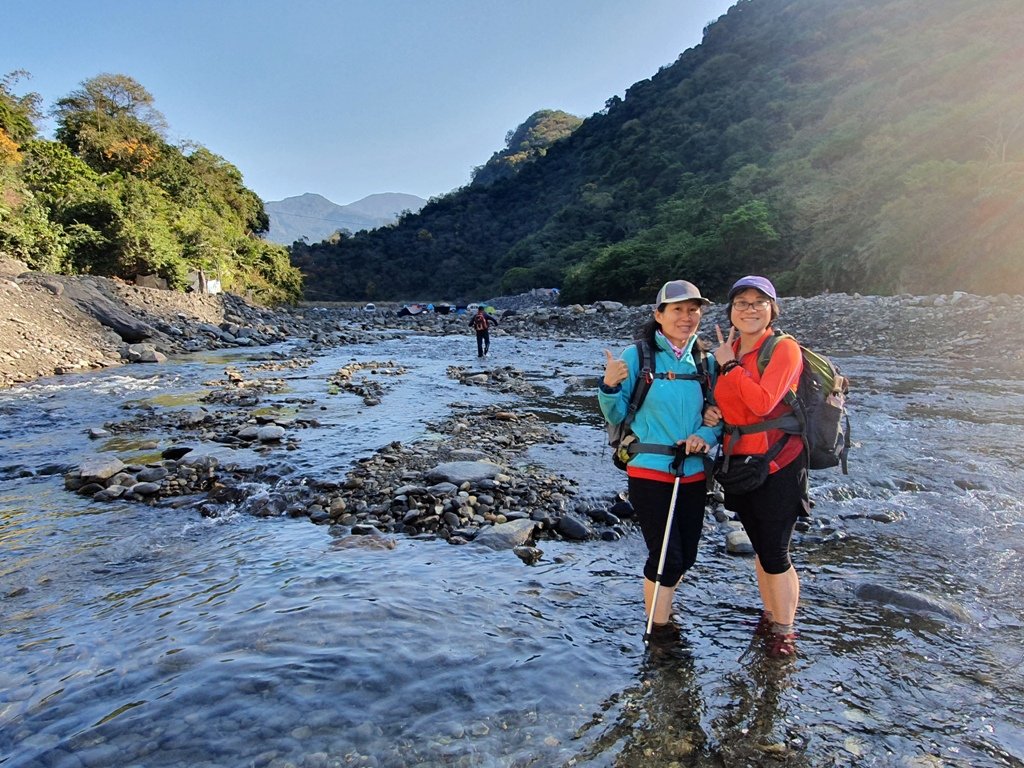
(770, 513)
(650, 500)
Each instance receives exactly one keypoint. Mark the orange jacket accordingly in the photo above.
(748, 397)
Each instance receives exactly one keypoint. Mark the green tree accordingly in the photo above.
(111, 197)
(111, 123)
(18, 114)
(748, 235)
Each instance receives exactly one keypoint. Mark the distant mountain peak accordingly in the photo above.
(315, 218)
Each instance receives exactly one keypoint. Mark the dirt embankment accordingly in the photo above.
(50, 323)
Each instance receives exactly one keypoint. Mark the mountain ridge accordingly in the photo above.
(313, 217)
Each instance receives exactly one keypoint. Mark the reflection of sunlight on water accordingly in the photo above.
(126, 444)
(169, 400)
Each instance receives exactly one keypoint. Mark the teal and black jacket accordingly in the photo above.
(673, 409)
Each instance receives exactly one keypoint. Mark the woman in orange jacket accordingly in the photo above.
(747, 396)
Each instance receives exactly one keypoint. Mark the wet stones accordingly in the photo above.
(400, 490)
(737, 542)
(48, 333)
(457, 473)
(529, 555)
(459, 495)
(914, 602)
(143, 353)
(285, 364)
(573, 528)
(236, 389)
(369, 390)
(100, 469)
(504, 379)
(106, 480)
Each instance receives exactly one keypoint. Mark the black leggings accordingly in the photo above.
(650, 500)
(769, 513)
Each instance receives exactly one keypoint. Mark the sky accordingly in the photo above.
(348, 98)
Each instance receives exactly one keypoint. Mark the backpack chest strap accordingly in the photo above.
(671, 376)
(788, 423)
(665, 450)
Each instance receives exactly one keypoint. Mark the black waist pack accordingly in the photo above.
(741, 474)
(746, 472)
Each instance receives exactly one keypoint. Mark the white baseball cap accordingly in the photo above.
(679, 290)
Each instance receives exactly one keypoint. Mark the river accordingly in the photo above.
(151, 636)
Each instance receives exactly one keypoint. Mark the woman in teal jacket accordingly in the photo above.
(671, 415)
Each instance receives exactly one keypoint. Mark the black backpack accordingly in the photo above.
(620, 436)
(819, 408)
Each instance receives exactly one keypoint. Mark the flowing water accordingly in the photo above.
(151, 636)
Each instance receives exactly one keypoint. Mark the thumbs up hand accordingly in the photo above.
(615, 370)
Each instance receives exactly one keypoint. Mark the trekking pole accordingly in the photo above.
(677, 467)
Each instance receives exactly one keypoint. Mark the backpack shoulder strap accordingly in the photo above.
(648, 365)
(644, 379)
(793, 423)
(765, 353)
(700, 360)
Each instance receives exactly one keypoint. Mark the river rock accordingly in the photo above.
(145, 489)
(574, 529)
(271, 433)
(738, 543)
(144, 353)
(152, 475)
(467, 454)
(506, 535)
(528, 555)
(100, 468)
(916, 602)
(459, 472)
(90, 299)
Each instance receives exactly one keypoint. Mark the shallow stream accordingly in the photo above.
(151, 636)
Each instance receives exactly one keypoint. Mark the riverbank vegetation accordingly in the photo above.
(875, 146)
(110, 196)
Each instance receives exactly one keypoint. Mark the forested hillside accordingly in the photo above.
(525, 144)
(111, 197)
(873, 146)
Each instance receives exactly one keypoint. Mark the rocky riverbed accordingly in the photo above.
(55, 324)
(58, 325)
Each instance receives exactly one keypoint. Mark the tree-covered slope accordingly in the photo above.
(872, 146)
(527, 143)
(111, 197)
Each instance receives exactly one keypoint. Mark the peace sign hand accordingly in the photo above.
(724, 353)
(615, 371)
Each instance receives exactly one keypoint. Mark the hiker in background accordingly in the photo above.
(746, 397)
(671, 416)
(481, 323)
